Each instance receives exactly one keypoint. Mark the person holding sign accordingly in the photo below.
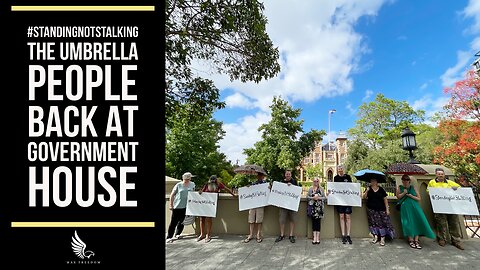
(316, 200)
(178, 206)
(284, 213)
(213, 185)
(255, 215)
(378, 212)
(414, 222)
(446, 222)
(344, 211)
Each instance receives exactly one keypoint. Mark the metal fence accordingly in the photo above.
(472, 223)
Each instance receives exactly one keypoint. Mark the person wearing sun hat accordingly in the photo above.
(178, 206)
(213, 185)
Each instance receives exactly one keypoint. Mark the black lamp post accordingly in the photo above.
(409, 143)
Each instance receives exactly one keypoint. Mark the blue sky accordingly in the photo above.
(337, 54)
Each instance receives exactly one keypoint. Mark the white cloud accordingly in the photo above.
(320, 50)
(473, 10)
(454, 73)
(368, 94)
(424, 86)
(430, 105)
(242, 135)
(350, 108)
(238, 100)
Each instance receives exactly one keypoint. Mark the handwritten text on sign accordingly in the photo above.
(202, 205)
(253, 196)
(347, 194)
(449, 201)
(285, 196)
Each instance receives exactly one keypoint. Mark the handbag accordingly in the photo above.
(189, 220)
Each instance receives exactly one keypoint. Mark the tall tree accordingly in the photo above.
(464, 100)
(383, 119)
(229, 35)
(192, 145)
(460, 148)
(280, 147)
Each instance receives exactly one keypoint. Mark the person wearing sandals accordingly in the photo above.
(344, 212)
(378, 213)
(215, 186)
(414, 222)
(255, 215)
(178, 206)
(446, 222)
(284, 213)
(316, 198)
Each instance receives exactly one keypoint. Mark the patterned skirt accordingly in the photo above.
(379, 223)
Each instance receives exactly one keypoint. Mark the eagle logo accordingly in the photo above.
(79, 246)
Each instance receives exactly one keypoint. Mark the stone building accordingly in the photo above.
(329, 156)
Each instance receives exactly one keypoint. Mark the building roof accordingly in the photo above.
(405, 168)
(419, 169)
(325, 147)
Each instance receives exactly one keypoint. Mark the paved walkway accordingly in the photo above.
(229, 252)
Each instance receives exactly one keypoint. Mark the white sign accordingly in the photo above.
(202, 205)
(285, 196)
(341, 193)
(253, 196)
(449, 201)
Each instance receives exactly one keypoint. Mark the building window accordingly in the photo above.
(330, 156)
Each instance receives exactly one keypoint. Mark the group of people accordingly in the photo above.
(413, 220)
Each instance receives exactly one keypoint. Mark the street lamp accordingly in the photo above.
(409, 143)
(329, 113)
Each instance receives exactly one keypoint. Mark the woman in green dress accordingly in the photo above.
(414, 222)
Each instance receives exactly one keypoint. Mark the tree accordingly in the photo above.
(460, 149)
(383, 119)
(464, 100)
(192, 145)
(377, 135)
(312, 171)
(280, 149)
(229, 35)
(460, 129)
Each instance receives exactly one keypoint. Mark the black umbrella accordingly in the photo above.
(250, 169)
(366, 175)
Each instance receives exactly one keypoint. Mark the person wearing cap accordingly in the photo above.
(215, 186)
(255, 215)
(178, 206)
(446, 222)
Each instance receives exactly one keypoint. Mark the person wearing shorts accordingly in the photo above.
(255, 215)
(344, 211)
(285, 213)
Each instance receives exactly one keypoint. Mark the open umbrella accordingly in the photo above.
(367, 175)
(250, 169)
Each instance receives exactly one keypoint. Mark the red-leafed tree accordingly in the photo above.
(461, 128)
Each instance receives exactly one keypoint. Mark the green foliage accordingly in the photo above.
(191, 145)
(228, 35)
(377, 140)
(312, 171)
(279, 148)
(240, 180)
(383, 119)
(225, 176)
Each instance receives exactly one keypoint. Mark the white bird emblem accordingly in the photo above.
(79, 246)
